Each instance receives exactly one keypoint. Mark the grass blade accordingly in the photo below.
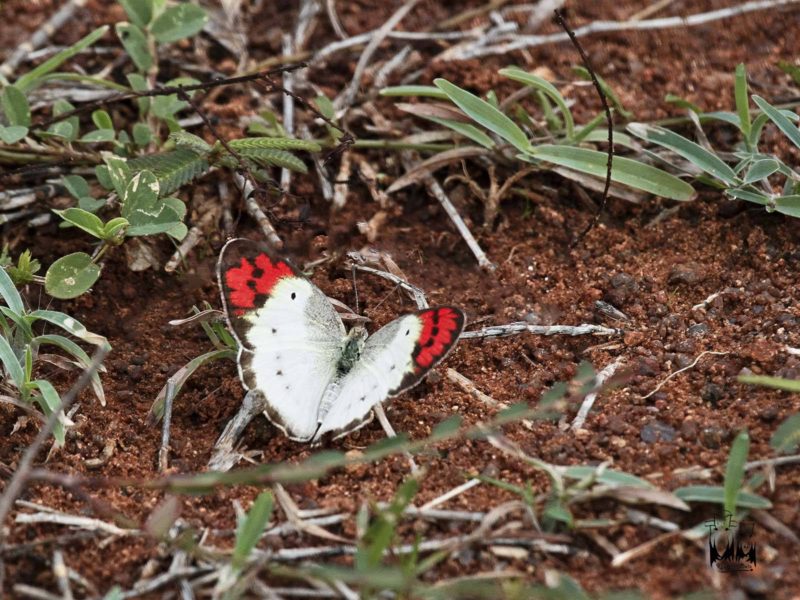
(67, 345)
(742, 102)
(486, 115)
(546, 88)
(786, 438)
(10, 294)
(734, 472)
(70, 325)
(625, 170)
(11, 363)
(691, 151)
(779, 383)
(777, 117)
(249, 532)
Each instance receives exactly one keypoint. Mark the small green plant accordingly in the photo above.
(558, 142)
(139, 168)
(753, 175)
(786, 438)
(20, 351)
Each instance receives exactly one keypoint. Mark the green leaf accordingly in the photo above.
(71, 275)
(28, 80)
(50, 402)
(15, 106)
(468, 131)
(102, 119)
(606, 477)
(91, 205)
(325, 106)
(178, 22)
(114, 228)
(788, 205)
(173, 169)
(12, 134)
(278, 143)
(742, 102)
(789, 385)
(786, 438)
(11, 363)
(777, 117)
(189, 141)
(142, 208)
(734, 472)
(70, 325)
(486, 115)
(250, 530)
(423, 91)
(682, 103)
(691, 151)
(278, 158)
(77, 186)
(139, 11)
(142, 134)
(546, 88)
(67, 345)
(99, 135)
(761, 169)
(716, 495)
(82, 219)
(117, 173)
(10, 294)
(749, 196)
(607, 90)
(135, 42)
(625, 170)
(791, 70)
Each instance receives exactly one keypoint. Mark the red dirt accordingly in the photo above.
(655, 273)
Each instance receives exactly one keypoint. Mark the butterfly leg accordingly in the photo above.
(224, 456)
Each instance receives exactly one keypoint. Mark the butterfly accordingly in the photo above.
(316, 377)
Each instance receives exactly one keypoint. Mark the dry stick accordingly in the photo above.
(609, 124)
(40, 36)
(28, 591)
(288, 109)
(650, 10)
(333, 17)
(588, 401)
(436, 190)
(529, 41)
(469, 386)
(686, 368)
(17, 482)
(61, 574)
(345, 99)
(163, 451)
(451, 494)
(254, 210)
(224, 456)
(521, 327)
(417, 295)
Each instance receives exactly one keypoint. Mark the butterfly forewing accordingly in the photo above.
(394, 359)
(289, 334)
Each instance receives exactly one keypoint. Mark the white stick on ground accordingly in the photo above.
(521, 327)
(588, 402)
(288, 109)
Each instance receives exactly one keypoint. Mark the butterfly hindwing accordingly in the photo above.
(289, 334)
(394, 359)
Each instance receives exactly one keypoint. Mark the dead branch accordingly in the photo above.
(522, 327)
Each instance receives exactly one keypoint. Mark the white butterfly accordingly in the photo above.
(293, 347)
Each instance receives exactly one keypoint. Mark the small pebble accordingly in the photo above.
(657, 431)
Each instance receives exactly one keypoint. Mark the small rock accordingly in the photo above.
(756, 586)
(712, 437)
(616, 425)
(657, 431)
(712, 393)
(135, 372)
(698, 330)
(688, 273)
(689, 430)
(769, 414)
(141, 359)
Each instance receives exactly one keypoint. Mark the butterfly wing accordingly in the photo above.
(289, 334)
(394, 359)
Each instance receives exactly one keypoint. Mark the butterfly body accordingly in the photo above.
(293, 347)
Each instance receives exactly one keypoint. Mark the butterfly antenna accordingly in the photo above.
(386, 297)
(355, 287)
